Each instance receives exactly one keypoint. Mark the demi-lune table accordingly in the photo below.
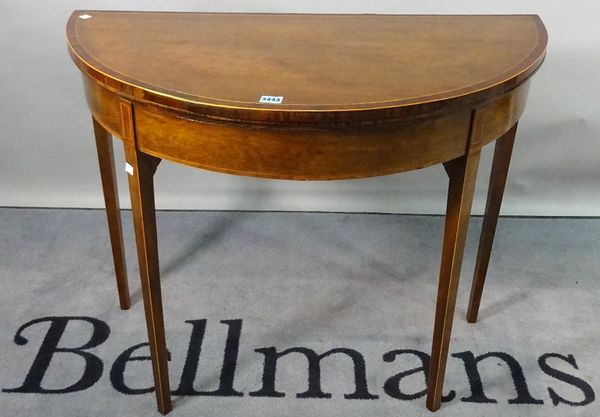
(305, 97)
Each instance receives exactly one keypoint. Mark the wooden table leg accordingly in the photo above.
(111, 201)
(141, 189)
(462, 173)
(502, 153)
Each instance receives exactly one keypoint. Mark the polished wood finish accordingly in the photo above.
(328, 67)
(301, 154)
(502, 152)
(319, 153)
(141, 186)
(363, 95)
(104, 148)
(462, 173)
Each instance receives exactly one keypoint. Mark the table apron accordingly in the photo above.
(305, 153)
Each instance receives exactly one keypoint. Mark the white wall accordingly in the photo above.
(47, 153)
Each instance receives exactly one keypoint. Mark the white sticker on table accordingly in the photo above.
(271, 99)
(128, 168)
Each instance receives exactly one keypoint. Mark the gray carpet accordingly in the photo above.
(364, 284)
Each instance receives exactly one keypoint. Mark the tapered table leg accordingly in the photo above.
(141, 189)
(502, 153)
(462, 173)
(106, 162)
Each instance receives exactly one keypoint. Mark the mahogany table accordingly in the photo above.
(305, 97)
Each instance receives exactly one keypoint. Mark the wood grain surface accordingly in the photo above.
(326, 67)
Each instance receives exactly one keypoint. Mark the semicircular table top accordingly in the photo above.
(383, 64)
